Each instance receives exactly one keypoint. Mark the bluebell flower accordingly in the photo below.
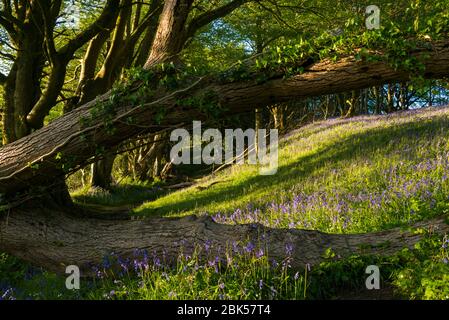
(106, 263)
(137, 265)
(157, 262)
(249, 247)
(207, 245)
(289, 249)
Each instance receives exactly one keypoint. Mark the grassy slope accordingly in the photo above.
(357, 175)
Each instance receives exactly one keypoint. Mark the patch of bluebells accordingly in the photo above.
(302, 210)
(7, 294)
(221, 266)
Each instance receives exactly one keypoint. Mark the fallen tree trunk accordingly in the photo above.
(54, 240)
(67, 142)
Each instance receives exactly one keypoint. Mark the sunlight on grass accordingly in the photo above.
(356, 175)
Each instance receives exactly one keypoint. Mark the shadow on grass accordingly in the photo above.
(358, 145)
(127, 195)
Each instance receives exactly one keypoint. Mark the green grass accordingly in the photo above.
(129, 193)
(342, 176)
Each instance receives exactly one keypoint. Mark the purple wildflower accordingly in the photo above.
(8, 295)
(207, 245)
(157, 262)
(289, 249)
(249, 247)
(106, 263)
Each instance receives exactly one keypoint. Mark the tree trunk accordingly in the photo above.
(54, 240)
(390, 98)
(102, 172)
(353, 104)
(8, 121)
(258, 114)
(69, 141)
(378, 98)
(150, 33)
(22, 88)
(278, 113)
(403, 96)
(146, 162)
(168, 42)
(171, 34)
(431, 94)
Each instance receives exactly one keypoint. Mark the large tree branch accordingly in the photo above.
(49, 14)
(75, 137)
(119, 52)
(54, 240)
(113, 57)
(173, 31)
(8, 25)
(90, 60)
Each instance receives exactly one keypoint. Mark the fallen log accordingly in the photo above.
(55, 239)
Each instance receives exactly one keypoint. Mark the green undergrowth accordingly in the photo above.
(420, 273)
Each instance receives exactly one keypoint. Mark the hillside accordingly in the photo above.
(340, 176)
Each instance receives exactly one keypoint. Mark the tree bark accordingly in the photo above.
(54, 240)
(390, 98)
(171, 34)
(102, 172)
(150, 33)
